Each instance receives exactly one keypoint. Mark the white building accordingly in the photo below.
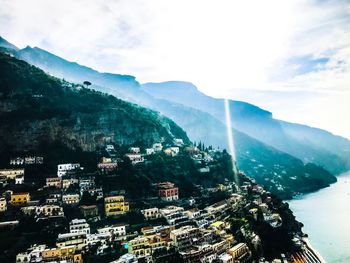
(70, 199)
(79, 226)
(157, 147)
(134, 149)
(151, 213)
(117, 230)
(150, 151)
(135, 158)
(63, 169)
(19, 179)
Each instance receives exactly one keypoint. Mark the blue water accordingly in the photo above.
(326, 218)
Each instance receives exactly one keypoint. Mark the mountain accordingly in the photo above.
(5, 45)
(306, 143)
(38, 111)
(273, 168)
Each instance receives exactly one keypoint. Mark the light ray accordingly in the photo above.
(230, 141)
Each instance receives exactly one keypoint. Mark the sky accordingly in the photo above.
(289, 57)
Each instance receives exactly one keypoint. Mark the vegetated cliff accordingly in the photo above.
(37, 109)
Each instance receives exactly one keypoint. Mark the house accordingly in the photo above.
(150, 151)
(107, 165)
(115, 205)
(173, 214)
(19, 179)
(70, 198)
(66, 183)
(157, 147)
(49, 211)
(54, 182)
(20, 198)
(29, 160)
(64, 169)
(3, 204)
(117, 230)
(135, 158)
(78, 240)
(89, 210)
(185, 236)
(172, 151)
(240, 253)
(151, 213)
(79, 226)
(139, 246)
(17, 161)
(178, 142)
(64, 254)
(109, 147)
(11, 173)
(134, 149)
(168, 191)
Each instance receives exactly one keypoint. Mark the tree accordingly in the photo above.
(87, 83)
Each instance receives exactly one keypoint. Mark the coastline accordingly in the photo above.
(313, 250)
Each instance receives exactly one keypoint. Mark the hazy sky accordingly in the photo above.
(290, 57)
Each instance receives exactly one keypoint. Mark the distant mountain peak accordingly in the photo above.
(6, 44)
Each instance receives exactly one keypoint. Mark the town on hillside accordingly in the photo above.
(116, 213)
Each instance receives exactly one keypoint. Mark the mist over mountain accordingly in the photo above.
(308, 144)
(267, 156)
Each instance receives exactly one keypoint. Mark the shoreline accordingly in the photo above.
(313, 250)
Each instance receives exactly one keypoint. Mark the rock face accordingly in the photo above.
(37, 109)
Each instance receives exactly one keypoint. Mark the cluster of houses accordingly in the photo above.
(176, 231)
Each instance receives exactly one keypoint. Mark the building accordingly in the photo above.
(89, 210)
(151, 213)
(157, 147)
(19, 179)
(139, 246)
(172, 151)
(135, 158)
(29, 160)
(66, 183)
(107, 165)
(79, 226)
(54, 182)
(134, 149)
(150, 151)
(185, 237)
(11, 173)
(19, 198)
(17, 161)
(49, 211)
(178, 142)
(109, 147)
(3, 204)
(115, 205)
(78, 240)
(64, 169)
(168, 191)
(240, 253)
(174, 214)
(70, 199)
(64, 254)
(117, 230)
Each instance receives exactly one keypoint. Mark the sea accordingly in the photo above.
(326, 218)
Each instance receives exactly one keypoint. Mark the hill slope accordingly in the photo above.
(38, 109)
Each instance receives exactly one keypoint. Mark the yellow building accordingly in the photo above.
(63, 253)
(115, 205)
(19, 198)
(139, 246)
